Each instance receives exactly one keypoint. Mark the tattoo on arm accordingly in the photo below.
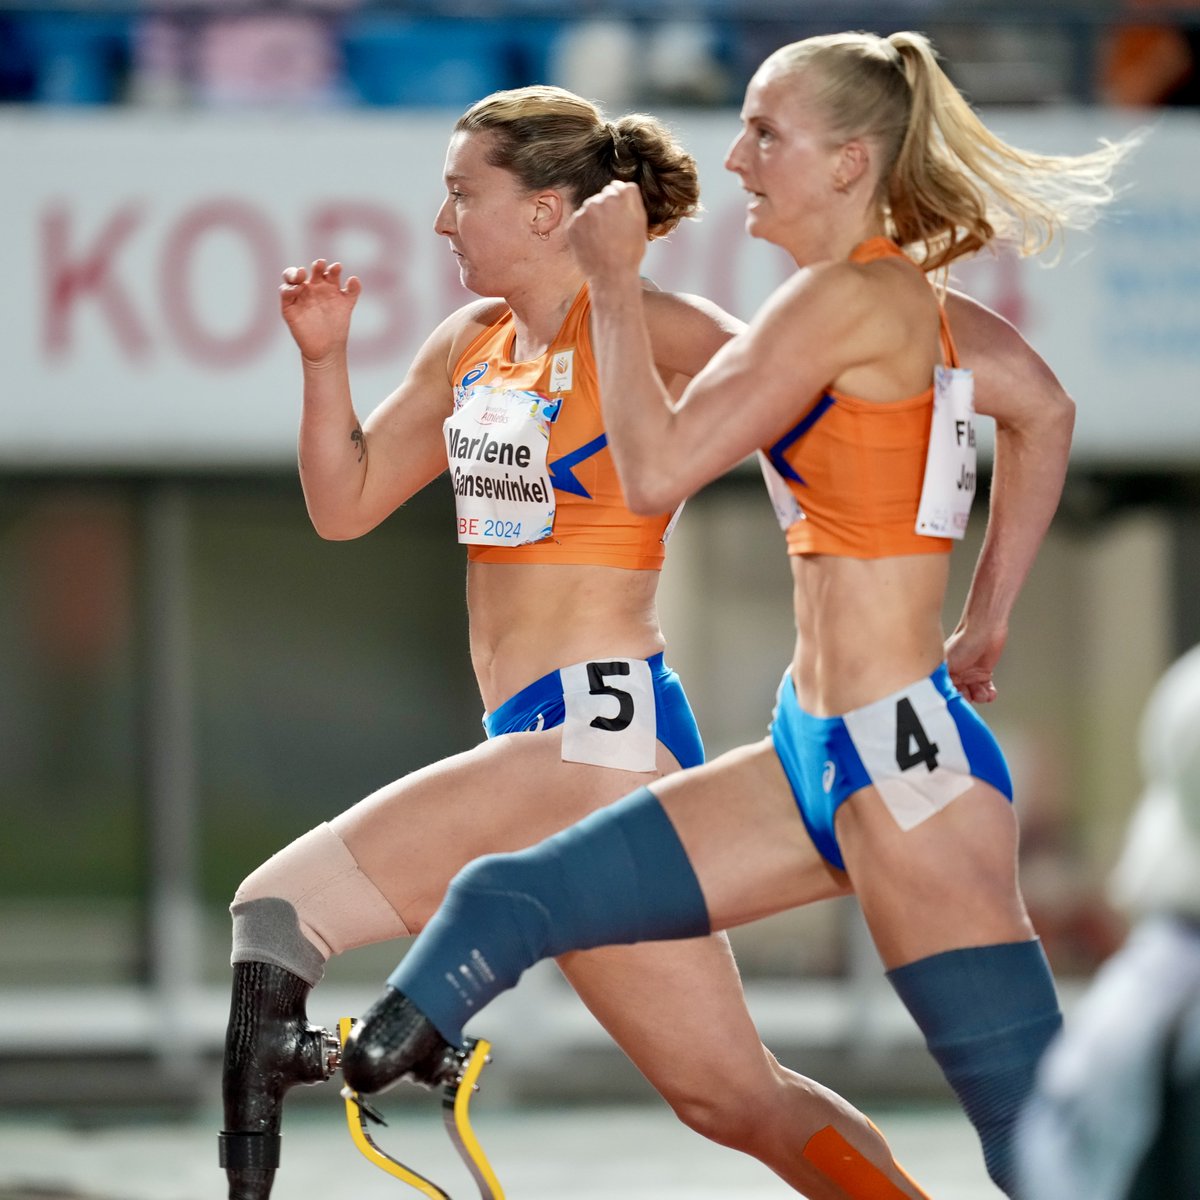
(360, 439)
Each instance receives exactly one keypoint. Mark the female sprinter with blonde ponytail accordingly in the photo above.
(878, 778)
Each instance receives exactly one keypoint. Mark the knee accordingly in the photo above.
(502, 891)
(730, 1112)
(288, 873)
(310, 898)
(489, 873)
(484, 883)
(714, 1118)
(262, 883)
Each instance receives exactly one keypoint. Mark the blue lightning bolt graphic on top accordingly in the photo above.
(562, 470)
(781, 447)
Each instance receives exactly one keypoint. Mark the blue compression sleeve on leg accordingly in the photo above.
(987, 1014)
(619, 876)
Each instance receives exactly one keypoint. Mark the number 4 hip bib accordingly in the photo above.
(496, 444)
(912, 750)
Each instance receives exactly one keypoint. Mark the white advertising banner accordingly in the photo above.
(140, 324)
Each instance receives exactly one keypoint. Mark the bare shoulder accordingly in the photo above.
(899, 287)
(664, 307)
(685, 331)
(479, 313)
(880, 305)
(465, 324)
(836, 286)
(980, 332)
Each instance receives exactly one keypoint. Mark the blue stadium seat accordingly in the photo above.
(534, 42)
(428, 63)
(78, 58)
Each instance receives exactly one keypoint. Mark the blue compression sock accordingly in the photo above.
(619, 876)
(987, 1014)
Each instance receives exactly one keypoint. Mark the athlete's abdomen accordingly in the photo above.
(864, 627)
(530, 619)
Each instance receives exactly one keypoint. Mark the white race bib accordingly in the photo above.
(496, 444)
(787, 507)
(950, 470)
(670, 529)
(912, 750)
(610, 714)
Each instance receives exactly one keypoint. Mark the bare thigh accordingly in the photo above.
(677, 1008)
(657, 1000)
(412, 836)
(946, 884)
(738, 821)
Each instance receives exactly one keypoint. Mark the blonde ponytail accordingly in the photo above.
(948, 186)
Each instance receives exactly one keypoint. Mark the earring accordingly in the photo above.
(544, 236)
(841, 185)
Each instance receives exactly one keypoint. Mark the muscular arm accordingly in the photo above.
(354, 475)
(809, 331)
(1034, 420)
(649, 345)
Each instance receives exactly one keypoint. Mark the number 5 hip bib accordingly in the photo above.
(610, 718)
(496, 444)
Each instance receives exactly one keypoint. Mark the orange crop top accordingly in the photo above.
(591, 523)
(856, 468)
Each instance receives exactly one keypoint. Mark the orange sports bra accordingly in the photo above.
(533, 477)
(856, 468)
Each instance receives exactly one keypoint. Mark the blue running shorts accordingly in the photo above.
(620, 704)
(919, 748)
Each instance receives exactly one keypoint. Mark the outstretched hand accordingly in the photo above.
(971, 659)
(317, 307)
(608, 232)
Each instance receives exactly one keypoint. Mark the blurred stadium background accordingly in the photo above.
(191, 677)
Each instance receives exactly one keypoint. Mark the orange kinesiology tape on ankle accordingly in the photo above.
(855, 1174)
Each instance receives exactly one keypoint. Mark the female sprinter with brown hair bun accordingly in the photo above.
(563, 632)
(878, 778)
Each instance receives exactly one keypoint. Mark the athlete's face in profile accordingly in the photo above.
(786, 159)
(486, 217)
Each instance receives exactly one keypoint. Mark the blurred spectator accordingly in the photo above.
(1157, 63)
(284, 54)
(1116, 1111)
(620, 64)
(685, 64)
(599, 58)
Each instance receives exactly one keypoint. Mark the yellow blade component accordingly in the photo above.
(456, 1100)
(362, 1138)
